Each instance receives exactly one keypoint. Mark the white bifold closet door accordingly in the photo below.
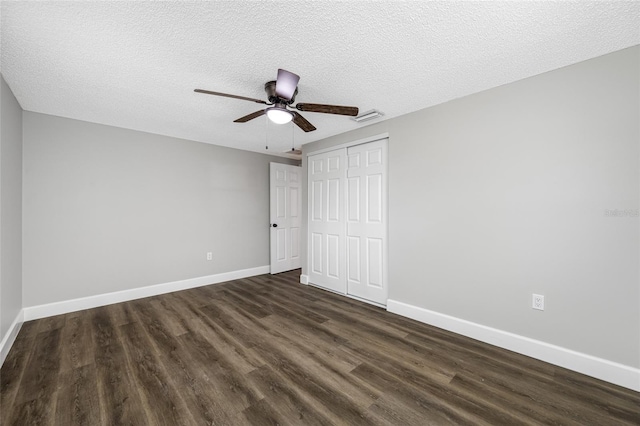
(327, 175)
(348, 221)
(366, 236)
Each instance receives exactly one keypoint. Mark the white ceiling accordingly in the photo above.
(135, 64)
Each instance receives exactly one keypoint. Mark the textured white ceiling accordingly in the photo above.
(135, 64)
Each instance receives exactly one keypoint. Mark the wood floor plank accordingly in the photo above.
(120, 400)
(469, 386)
(14, 368)
(434, 399)
(221, 391)
(52, 323)
(309, 332)
(301, 341)
(289, 363)
(598, 393)
(364, 318)
(263, 413)
(268, 350)
(77, 347)
(78, 400)
(36, 397)
(232, 326)
(287, 352)
(174, 321)
(239, 392)
(282, 304)
(192, 374)
(335, 403)
(287, 404)
(252, 307)
(481, 355)
(432, 410)
(296, 334)
(241, 358)
(327, 371)
(367, 348)
(154, 382)
(189, 299)
(120, 313)
(562, 405)
(392, 407)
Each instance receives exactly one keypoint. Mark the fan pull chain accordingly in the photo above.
(266, 133)
(292, 136)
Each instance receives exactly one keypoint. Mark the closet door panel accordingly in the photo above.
(327, 214)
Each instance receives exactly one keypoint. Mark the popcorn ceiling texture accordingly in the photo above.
(135, 64)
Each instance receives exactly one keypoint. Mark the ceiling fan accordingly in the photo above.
(281, 94)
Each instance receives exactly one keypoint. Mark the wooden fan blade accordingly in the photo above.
(286, 84)
(328, 109)
(226, 95)
(302, 122)
(250, 116)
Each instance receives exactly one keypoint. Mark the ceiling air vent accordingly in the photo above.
(369, 115)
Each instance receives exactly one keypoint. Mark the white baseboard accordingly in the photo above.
(304, 279)
(66, 306)
(10, 337)
(609, 371)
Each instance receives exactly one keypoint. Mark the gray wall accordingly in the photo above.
(109, 209)
(10, 208)
(503, 193)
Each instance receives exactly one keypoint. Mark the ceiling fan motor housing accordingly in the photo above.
(270, 89)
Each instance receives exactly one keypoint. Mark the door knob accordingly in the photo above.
(275, 225)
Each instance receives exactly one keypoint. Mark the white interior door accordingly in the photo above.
(366, 238)
(285, 210)
(327, 261)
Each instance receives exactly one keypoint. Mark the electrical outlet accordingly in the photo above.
(209, 256)
(538, 302)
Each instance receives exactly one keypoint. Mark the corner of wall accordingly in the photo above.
(11, 171)
(10, 337)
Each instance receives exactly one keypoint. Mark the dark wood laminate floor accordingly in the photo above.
(267, 350)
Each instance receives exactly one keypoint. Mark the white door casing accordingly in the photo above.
(327, 261)
(366, 218)
(285, 210)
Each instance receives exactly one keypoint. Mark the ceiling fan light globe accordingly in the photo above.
(279, 115)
